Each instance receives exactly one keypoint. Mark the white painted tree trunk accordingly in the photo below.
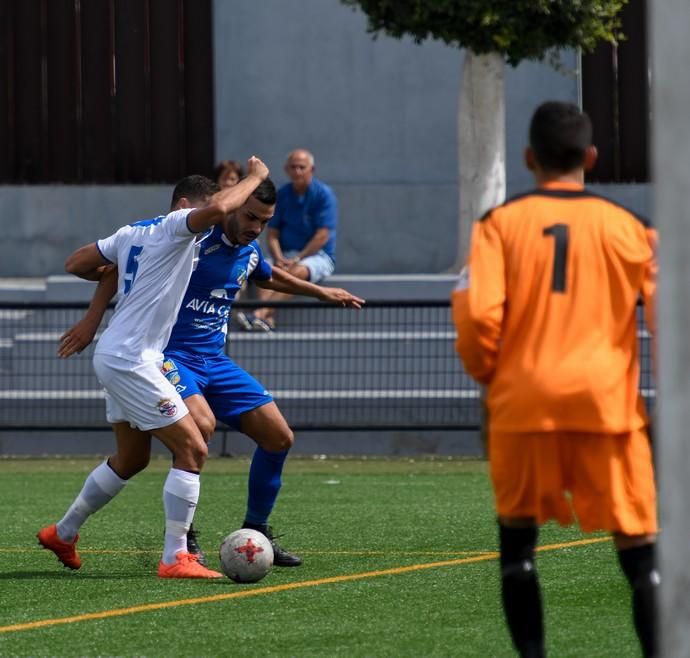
(481, 143)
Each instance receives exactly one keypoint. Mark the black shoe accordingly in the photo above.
(261, 325)
(193, 546)
(281, 557)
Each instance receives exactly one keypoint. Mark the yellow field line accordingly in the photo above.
(148, 607)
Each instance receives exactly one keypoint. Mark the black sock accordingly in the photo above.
(640, 570)
(520, 590)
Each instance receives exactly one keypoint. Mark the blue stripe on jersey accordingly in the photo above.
(143, 223)
(221, 271)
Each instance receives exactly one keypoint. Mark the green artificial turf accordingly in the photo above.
(346, 518)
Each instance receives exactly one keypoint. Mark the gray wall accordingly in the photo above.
(380, 116)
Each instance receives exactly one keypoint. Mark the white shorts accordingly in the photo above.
(320, 265)
(138, 393)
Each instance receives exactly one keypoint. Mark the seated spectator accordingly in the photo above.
(228, 173)
(301, 235)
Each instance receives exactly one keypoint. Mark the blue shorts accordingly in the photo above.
(229, 390)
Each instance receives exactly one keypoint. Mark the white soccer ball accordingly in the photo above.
(246, 556)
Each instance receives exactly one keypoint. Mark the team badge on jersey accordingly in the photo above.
(167, 408)
(170, 371)
(241, 276)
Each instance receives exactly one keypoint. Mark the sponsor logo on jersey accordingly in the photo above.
(168, 366)
(210, 307)
(211, 249)
(241, 276)
(167, 408)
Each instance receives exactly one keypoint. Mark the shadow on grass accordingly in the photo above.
(67, 573)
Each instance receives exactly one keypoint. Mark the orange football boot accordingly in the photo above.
(66, 551)
(186, 566)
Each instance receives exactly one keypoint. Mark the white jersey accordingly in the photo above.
(155, 259)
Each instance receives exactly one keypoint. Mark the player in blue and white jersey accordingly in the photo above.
(212, 385)
(153, 261)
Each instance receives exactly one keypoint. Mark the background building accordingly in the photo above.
(105, 103)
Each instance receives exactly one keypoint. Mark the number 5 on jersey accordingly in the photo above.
(132, 266)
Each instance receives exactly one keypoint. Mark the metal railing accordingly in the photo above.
(390, 366)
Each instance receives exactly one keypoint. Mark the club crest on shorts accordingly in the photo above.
(167, 408)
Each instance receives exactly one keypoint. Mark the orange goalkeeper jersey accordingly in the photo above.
(546, 311)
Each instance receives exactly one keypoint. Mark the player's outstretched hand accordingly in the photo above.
(342, 297)
(256, 167)
(76, 338)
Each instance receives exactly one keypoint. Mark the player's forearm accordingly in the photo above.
(86, 263)
(102, 296)
(223, 203)
(282, 281)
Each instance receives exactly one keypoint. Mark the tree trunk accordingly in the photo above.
(481, 143)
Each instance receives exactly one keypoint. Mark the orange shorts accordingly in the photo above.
(607, 480)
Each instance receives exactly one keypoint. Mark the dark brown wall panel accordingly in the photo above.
(167, 90)
(132, 80)
(62, 68)
(28, 163)
(105, 91)
(6, 91)
(97, 90)
(198, 81)
(615, 90)
(633, 90)
(598, 74)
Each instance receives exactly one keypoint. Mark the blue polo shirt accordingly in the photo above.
(221, 269)
(298, 217)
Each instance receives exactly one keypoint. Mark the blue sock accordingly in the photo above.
(264, 484)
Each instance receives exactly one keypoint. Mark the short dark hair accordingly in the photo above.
(194, 188)
(265, 192)
(559, 135)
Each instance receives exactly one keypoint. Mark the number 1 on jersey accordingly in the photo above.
(132, 266)
(560, 257)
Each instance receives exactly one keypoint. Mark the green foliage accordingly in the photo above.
(516, 29)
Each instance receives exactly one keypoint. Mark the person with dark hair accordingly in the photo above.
(211, 384)
(546, 319)
(228, 173)
(150, 263)
(301, 235)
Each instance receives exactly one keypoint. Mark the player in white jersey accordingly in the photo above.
(154, 259)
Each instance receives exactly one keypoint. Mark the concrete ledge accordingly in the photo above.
(403, 287)
(373, 287)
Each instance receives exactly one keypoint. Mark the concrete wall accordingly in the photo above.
(380, 116)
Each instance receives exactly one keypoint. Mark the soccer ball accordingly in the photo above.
(246, 556)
